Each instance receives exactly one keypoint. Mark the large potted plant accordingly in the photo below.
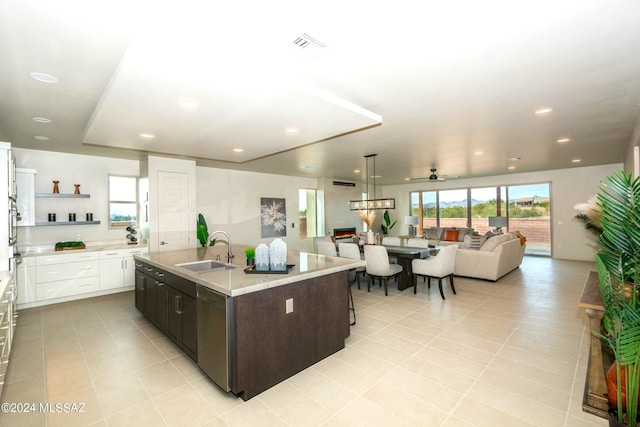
(387, 226)
(617, 263)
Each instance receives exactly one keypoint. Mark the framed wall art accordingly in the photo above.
(273, 217)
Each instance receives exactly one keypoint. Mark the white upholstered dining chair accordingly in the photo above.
(352, 251)
(438, 267)
(326, 248)
(378, 265)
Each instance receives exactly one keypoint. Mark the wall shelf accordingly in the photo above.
(56, 223)
(63, 195)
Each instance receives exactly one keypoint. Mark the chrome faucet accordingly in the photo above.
(229, 254)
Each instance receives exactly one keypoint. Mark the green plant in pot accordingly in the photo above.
(251, 256)
(202, 232)
(387, 226)
(617, 263)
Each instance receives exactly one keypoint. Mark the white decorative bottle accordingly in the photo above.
(278, 255)
(262, 257)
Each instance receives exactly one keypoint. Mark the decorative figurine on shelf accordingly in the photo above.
(131, 237)
(55, 187)
(77, 189)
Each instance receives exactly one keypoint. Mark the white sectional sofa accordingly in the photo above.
(490, 264)
(497, 256)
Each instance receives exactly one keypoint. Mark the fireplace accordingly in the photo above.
(344, 234)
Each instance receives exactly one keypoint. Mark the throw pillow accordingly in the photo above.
(462, 232)
(433, 233)
(523, 239)
(451, 235)
(495, 241)
(475, 241)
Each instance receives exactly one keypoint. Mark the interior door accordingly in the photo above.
(173, 211)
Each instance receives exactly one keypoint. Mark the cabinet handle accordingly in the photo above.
(149, 269)
(158, 283)
(159, 274)
(164, 243)
(138, 264)
(177, 303)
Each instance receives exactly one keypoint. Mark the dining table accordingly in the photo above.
(404, 255)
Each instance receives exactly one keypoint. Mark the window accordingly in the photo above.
(528, 210)
(484, 203)
(123, 200)
(310, 210)
(452, 208)
(530, 213)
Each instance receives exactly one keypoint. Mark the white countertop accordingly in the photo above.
(27, 251)
(235, 281)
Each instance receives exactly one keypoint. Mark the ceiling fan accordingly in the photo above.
(433, 177)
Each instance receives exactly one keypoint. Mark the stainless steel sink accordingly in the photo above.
(206, 266)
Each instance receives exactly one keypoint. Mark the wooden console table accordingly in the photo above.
(594, 399)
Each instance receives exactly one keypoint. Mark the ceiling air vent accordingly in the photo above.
(307, 46)
(344, 183)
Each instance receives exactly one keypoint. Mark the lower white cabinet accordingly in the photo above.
(117, 268)
(26, 279)
(64, 275)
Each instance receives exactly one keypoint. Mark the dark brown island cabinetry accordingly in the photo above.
(251, 341)
(169, 302)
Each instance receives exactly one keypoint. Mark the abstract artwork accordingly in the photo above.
(273, 217)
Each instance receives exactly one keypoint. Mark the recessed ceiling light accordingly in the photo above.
(576, 160)
(478, 153)
(376, 176)
(407, 179)
(543, 110)
(41, 120)
(146, 135)
(238, 150)
(511, 167)
(292, 131)
(563, 140)
(308, 167)
(356, 171)
(41, 138)
(43, 77)
(513, 159)
(189, 103)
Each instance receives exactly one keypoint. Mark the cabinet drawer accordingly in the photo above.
(64, 258)
(122, 253)
(67, 271)
(65, 288)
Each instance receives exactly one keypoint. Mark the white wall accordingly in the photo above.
(568, 187)
(91, 173)
(230, 201)
(336, 202)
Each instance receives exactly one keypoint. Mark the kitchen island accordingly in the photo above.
(259, 329)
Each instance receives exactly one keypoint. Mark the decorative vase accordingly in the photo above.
(278, 255)
(262, 257)
(77, 190)
(370, 238)
(251, 262)
(55, 187)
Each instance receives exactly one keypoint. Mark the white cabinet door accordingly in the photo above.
(111, 273)
(26, 277)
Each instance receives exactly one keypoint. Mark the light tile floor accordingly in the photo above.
(511, 353)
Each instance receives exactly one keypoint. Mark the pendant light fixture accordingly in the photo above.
(372, 203)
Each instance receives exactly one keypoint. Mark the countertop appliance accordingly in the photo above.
(213, 343)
